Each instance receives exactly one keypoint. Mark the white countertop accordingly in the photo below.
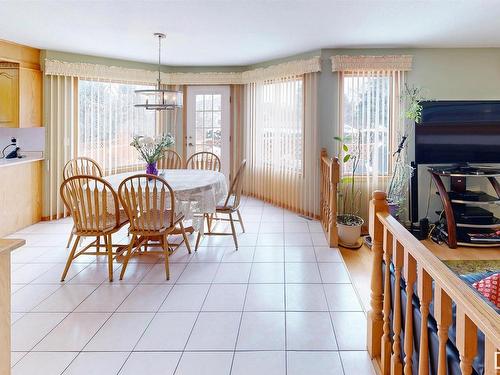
(27, 159)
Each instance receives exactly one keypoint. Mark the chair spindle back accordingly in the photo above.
(204, 160)
(82, 166)
(149, 202)
(93, 204)
(170, 160)
(236, 187)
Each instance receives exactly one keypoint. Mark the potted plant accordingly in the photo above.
(151, 149)
(348, 221)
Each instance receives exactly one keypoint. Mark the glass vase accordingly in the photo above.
(151, 169)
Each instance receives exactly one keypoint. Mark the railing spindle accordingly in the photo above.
(397, 260)
(385, 361)
(466, 340)
(424, 283)
(443, 315)
(410, 273)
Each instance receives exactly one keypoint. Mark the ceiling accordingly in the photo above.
(244, 32)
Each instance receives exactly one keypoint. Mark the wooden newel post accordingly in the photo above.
(334, 179)
(375, 316)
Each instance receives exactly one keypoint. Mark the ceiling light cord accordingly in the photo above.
(159, 59)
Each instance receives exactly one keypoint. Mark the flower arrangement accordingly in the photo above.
(151, 149)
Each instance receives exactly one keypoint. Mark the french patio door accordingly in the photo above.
(208, 122)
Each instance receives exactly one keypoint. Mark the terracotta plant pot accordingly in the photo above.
(349, 229)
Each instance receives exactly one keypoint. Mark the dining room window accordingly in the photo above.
(279, 109)
(107, 121)
(366, 125)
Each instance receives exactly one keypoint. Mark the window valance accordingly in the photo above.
(342, 63)
(142, 76)
(287, 69)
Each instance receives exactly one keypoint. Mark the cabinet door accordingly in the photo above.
(9, 97)
(30, 106)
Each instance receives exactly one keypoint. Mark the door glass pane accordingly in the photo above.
(208, 119)
(199, 102)
(199, 119)
(217, 102)
(217, 119)
(208, 102)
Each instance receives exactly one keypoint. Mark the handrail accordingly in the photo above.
(483, 315)
(329, 175)
(411, 261)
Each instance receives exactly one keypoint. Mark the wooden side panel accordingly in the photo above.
(5, 312)
(20, 196)
(30, 99)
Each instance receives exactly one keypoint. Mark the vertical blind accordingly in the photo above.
(60, 115)
(276, 142)
(371, 126)
(107, 121)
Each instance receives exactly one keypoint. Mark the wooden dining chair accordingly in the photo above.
(149, 202)
(229, 206)
(204, 160)
(170, 160)
(95, 210)
(81, 166)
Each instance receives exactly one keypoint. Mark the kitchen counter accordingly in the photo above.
(27, 159)
(9, 244)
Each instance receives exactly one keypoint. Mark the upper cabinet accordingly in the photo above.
(9, 95)
(20, 86)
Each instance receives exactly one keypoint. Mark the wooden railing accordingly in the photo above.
(414, 263)
(328, 197)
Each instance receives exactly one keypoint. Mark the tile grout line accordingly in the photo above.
(198, 314)
(242, 312)
(330, 314)
(111, 315)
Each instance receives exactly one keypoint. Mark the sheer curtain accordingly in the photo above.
(371, 125)
(281, 142)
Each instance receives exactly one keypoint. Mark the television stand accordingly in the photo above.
(468, 222)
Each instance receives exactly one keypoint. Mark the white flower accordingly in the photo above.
(148, 141)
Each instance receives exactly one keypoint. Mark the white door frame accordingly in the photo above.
(190, 138)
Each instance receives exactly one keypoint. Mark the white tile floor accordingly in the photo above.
(282, 304)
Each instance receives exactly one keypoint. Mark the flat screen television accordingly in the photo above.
(458, 132)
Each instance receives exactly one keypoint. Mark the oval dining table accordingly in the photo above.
(197, 192)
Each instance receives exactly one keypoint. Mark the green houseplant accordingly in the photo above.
(397, 191)
(348, 221)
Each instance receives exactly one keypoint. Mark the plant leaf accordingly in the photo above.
(346, 158)
(345, 148)
(346, 180)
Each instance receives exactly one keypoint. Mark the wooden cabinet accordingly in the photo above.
(9, 95)
(20, 96)
(30, 98)
(20, 86)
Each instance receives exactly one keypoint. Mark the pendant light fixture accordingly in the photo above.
(158, 98)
